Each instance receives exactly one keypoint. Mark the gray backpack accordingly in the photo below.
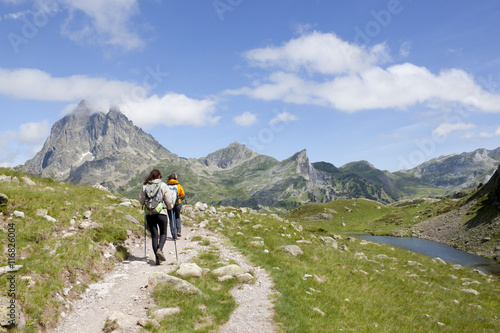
(153, 197)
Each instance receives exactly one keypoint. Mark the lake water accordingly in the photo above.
(435, 249)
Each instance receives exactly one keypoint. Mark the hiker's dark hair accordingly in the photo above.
(155, 174)
(172, 176)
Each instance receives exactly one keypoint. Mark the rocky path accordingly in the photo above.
(123, 293)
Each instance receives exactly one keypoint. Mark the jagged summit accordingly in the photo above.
(87, 146)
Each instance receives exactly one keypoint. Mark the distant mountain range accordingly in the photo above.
(90, 147)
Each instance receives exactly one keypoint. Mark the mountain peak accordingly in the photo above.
(229, 157)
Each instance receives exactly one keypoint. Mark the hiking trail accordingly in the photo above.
(123, 293)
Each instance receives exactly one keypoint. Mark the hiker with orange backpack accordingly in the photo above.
(175, 213)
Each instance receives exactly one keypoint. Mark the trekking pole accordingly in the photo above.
(145, 224)
(174, 234)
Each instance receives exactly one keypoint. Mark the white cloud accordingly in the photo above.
(33, 133)
(109, 20)
(170, 110)
(318, 53)
(245, 119)
(285, 117)
(446, 129)
(37, 85)
(350, 78)
(16, 146)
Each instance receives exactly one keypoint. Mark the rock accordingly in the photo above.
(5, 179)
(232, 270)
(439, 260)
(292, 250)
(159, 314)
(41, 212)
(10, 269)
(189, 269)
(121, 321)
(344, 248)
(360, 255)
(246, 277)
(200, 206)
(413, 263)
(179, 284)
(18, 214)
(28, 181)
(225, 278)
(319, 311)
(257, 243)
(10, 313)
(87, 214)
(50, 218)
(329, 240)
(4, 200)
(470, 291)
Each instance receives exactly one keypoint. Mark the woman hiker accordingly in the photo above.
(175, 225)
(157, 221)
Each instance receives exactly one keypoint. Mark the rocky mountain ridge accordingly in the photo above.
(89, 147)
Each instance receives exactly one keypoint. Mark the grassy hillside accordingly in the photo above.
(65, 256)
(361, 215)
(361, 286)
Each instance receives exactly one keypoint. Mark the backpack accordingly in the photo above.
(171, 196)
(153, 197)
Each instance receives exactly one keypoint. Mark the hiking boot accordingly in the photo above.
(160, 256)
(179, 235)
(158, 261)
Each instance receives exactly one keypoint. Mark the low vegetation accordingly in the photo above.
(68, 237)
(361, 286)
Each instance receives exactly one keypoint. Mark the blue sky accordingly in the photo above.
(395, 82)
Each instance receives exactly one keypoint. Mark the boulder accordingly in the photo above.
(28, 181)
(159, 314)
(292, 250)
(189, 269)
(176, 283)
(329, 240)
(3, 199)
(232, 270)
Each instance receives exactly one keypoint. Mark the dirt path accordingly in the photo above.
(123, 293)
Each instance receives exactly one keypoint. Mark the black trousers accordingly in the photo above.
(158, 227)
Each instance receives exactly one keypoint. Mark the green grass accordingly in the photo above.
(50, 261)
(364, 295)
(200, 313)
(361, 215)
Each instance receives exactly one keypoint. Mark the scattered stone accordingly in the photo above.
(3, 199)
(344, 248)
(28, 181)
(41, 212)
(439, 260)
(319, 311)
(414, 263)
(225, 278)
(246, 277)
(50, 218)
(329, 240)
(470, 291)
(10, 269)
(131, 219)
(232, 270)
(360, 255)
(189, 269)
(18, 214)
(257, 226)
(257, 243)
(162, 313)
(178, 284)
(87, 214)
(292, 250)
(6, 309)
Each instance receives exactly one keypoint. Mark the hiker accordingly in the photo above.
(157, 221)
(175, 225)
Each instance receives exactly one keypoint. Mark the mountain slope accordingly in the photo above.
(89, 148)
